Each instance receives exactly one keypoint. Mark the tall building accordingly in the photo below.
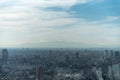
(117, 56)
(50, 53)
(5, 55)
(105, 71)
(67, 58)
(77, 55)
(106, 52)
(112, 53)
(40, 73)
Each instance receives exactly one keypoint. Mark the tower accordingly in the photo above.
(112, 53)
(106, 52)
(117, 56)
(5, 55)
(40, 73)
(50, 53)
(77, 55)
(67, 58)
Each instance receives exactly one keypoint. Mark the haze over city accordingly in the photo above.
(59, 23)
(59, 40)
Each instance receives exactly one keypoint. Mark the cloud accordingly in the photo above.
(22, 24)
(55, 3)
(44, 3)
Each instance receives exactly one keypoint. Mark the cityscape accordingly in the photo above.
(59, 39)
(59, 64)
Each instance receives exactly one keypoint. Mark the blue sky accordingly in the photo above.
(60, 23)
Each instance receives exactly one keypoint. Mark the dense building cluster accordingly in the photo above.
(59, 64)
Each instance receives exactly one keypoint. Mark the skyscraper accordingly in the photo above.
(106, 52)
(77, 55)
(5, 55)
(40, 73)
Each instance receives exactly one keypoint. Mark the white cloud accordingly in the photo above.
(22, 24)
(55, 3)
(65, 4)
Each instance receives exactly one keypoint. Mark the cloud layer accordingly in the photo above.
(32, 23)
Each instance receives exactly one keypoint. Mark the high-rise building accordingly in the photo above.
(112, 53)
(117, 56)
(40, 73)
(106, 52)
(67, 58)
(105, 71)
(77, 55)
(5, 55)
(50, 53)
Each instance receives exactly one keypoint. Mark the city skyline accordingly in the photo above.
(60, 23)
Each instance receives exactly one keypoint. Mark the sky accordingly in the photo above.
(60, 23)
